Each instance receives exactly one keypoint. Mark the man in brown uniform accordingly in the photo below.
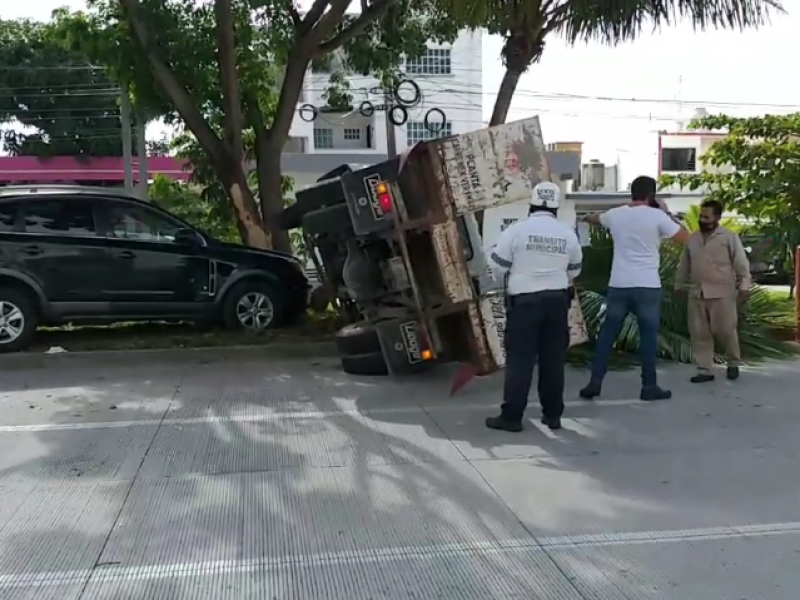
(715, 272)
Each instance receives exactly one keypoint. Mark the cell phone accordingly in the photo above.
(653, 202)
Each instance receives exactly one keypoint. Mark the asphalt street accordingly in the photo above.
(187, 477)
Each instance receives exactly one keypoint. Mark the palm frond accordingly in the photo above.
(624, 20)
(759, 318)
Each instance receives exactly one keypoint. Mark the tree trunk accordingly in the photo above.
(269, 147)
(229, 170)
(504, 96)
(268, 170)
(229, 78)
(248, 217)
(502, 104)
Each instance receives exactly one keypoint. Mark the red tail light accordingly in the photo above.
(384, 197)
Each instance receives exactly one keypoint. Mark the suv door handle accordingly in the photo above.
(32, 250)
(126, 254)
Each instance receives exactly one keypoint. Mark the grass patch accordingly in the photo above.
(158, 336)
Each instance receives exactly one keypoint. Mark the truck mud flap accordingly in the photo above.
(404, 346)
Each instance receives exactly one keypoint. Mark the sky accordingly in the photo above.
(597, 94)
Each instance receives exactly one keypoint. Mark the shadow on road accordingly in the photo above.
(229, 476)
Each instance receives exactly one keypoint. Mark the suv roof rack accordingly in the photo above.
(57, 188)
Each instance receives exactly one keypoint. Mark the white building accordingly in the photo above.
(450, 79)
(681, 152)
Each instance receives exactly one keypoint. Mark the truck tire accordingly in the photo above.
(365, 364)
(291, 217)
(331, 222)
(358, 338)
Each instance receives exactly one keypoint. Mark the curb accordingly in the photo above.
(310, 350)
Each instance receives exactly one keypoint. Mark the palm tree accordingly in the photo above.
(526, 24)
(761, 325)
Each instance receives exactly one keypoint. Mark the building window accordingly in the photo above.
(323, 138)
(417, 132)
(434, 61)
(678, 159)
(352, 133)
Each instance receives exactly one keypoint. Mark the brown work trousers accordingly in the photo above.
(714, 318)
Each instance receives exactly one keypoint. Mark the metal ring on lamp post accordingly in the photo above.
(308, 112)
(391, 114)
(367, 109)
(403, 102)
(427, 120)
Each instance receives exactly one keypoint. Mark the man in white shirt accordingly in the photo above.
(540, 256)
(635, 284)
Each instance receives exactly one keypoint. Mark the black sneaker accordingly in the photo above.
(591, 391)
(732, 373)
(702, 378)
(552, 422)
(502, 424)
(654, 393)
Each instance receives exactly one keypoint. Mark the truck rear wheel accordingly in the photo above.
(358, 338)
(365, 364)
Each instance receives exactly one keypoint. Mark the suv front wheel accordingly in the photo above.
(253, 305)
(18, 320)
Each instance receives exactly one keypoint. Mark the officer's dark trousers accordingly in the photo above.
(537, 332)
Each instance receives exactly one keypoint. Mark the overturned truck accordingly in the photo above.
(397, 248)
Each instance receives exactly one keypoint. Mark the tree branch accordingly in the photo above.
(315, 13)
(328, 22)
(375, 11)
(229, 78)
(293, 79)
(297, 20)
(174, 90)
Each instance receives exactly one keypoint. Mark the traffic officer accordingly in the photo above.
(540, 256)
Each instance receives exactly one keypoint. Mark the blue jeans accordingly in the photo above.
(645, 304)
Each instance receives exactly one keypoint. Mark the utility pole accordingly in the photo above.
(391, 139)
(127, 151)
(141, 154)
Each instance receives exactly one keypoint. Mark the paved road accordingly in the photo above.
(156, 478)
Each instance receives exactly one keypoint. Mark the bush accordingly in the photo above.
(758, 322)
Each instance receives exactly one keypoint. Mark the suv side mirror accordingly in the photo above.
(187, 237)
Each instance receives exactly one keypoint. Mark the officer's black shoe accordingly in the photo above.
(732, 373)
(654, 393)
(502, 424)
(552, 422)
(591, 391)
(702, 378)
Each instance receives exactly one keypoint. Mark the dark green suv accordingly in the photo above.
(92, 256)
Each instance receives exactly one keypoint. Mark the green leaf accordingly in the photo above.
(760, 318)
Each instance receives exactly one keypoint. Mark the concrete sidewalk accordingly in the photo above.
(193, 479)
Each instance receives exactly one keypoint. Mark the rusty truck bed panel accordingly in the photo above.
(495, 166)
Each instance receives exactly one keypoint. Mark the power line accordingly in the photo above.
(437, 80)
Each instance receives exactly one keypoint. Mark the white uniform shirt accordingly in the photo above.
(539, 253)
(637, 232)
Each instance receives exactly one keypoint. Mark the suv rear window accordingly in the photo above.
(8, 215)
